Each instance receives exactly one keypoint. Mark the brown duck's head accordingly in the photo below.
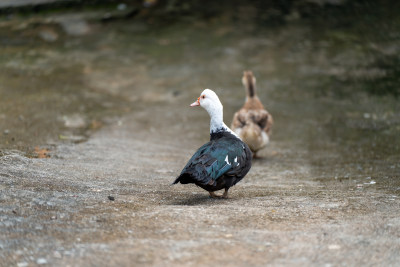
(249, 82)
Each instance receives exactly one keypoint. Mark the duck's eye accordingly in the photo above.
(203, 96)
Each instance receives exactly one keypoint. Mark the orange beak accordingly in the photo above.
(196, 103)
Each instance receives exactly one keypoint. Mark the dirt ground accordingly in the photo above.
(57, 211)
(325, 192)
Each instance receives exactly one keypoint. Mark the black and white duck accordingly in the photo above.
(224, 160)
(252, 123)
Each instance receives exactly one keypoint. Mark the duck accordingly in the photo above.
(252, 123)
(224, 160)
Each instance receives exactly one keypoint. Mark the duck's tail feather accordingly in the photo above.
(177, 180)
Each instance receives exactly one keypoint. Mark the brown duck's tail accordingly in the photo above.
(249, 82)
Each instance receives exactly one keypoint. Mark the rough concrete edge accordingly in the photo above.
(44, 5)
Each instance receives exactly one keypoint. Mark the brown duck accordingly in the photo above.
(252, 123)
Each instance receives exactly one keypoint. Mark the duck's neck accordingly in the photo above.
(217, 122)
(251, 89)
(250, 84)
(216, 119)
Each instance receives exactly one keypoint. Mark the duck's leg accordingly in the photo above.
(225, 194)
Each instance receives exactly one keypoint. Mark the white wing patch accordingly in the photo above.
(226, 160)
(236, 161)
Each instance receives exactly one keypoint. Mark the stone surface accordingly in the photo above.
(325, 192)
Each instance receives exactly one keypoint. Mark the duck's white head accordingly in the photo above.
(210, 102)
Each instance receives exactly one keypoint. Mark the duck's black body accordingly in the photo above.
(219, 164)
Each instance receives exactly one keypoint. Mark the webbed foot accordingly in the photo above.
(213, 195)
(224, 195)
